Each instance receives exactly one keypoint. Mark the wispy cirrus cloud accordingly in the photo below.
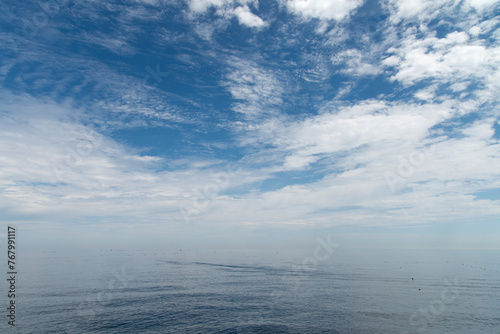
(58, 163)
(256, 90)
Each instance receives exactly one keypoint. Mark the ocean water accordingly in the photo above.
(189, 291)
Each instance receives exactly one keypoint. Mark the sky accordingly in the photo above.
(140, 124)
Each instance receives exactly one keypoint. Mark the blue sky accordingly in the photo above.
(221, 122)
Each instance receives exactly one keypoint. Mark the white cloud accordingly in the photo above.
(113, 180)
(247, 18)
(459, 57)
(481, 5)
(117, 45)
(459, 86)
(437, 190)
(426, 94)
(490, 25)
(255, 89)
(55, 168)
(391, 61)
(448, 59)
(149, 2)
(371, 123)
(323, 9)
(229, 9)
(475, 31)
(352, 145)
(355, 62)
(456, 37)
(409, 8)
(482, 129)
(422, 10)
(358, 145)
(201, 6)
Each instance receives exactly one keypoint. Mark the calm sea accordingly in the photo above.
(188, 291)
